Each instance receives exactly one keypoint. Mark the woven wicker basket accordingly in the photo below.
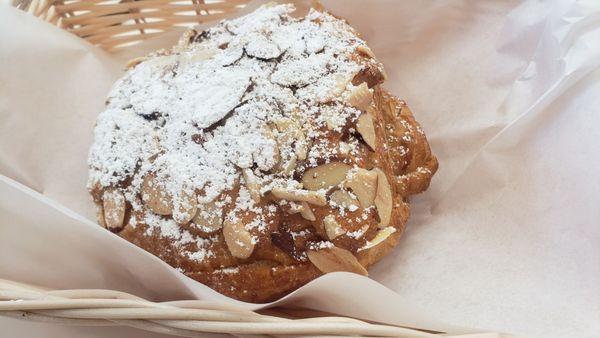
(91, 307)
(115, 24)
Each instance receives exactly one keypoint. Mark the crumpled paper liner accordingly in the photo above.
(505, 239)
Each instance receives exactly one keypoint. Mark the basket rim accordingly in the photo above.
(98, 307)
(115, 24)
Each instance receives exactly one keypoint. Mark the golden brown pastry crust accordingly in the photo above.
(261, 279)
(355, 178)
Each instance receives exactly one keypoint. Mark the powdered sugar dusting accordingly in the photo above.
(197, 115)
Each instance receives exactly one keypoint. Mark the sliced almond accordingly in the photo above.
(292, 134)
(285, 124)
(290, 165)
(186, 38)
(201, 55)
(274, 158)
(262, 47)
(243, 161)
(383, 198)
(113, 203)
(155, 196)
(372, 73)
(134, 62)
(301, 149)
(100, 215)
(307, 212)
(379, 237)
(342, 198)
(366, 129)
(297, 195)
(161, 62)
(360, 96)
(325, 175)
(333, 229)
(365, 51)
(304, 210)
(238, 239)
(209, 217)
(341, 82)
(332, 120)
(363, 184)
(335, 259)
(185, 207)
(252, 184)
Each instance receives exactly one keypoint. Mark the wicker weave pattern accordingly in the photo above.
(187, 319)
(118, 23)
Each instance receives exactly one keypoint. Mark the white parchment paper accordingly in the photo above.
(506, 239)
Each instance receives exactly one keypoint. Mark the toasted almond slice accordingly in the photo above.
(342, 198)
(238, 239)
(100, 215)
(341, 82)
(155, 196)
(185, 207)
(134, 62)
(307, 212)
(209, 217)
(262, 47)
(312, 197)
(300, 146)
(269, 165)
(372, 73)
(301, 149)
(363, 184)
(290, 166)
(332, 120)
(201, 55)
(325, 175)
(161, 62)
(243, 162)
(360, 96)
(366, 129)
(365, 51)
(332, 227)
(285, 124)
(292, 134)
(304, 210)
(252, 184)
(383, 198)
(335, 259)
(113, 203)
(185, 38)
(276, 157)
(379, 237)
